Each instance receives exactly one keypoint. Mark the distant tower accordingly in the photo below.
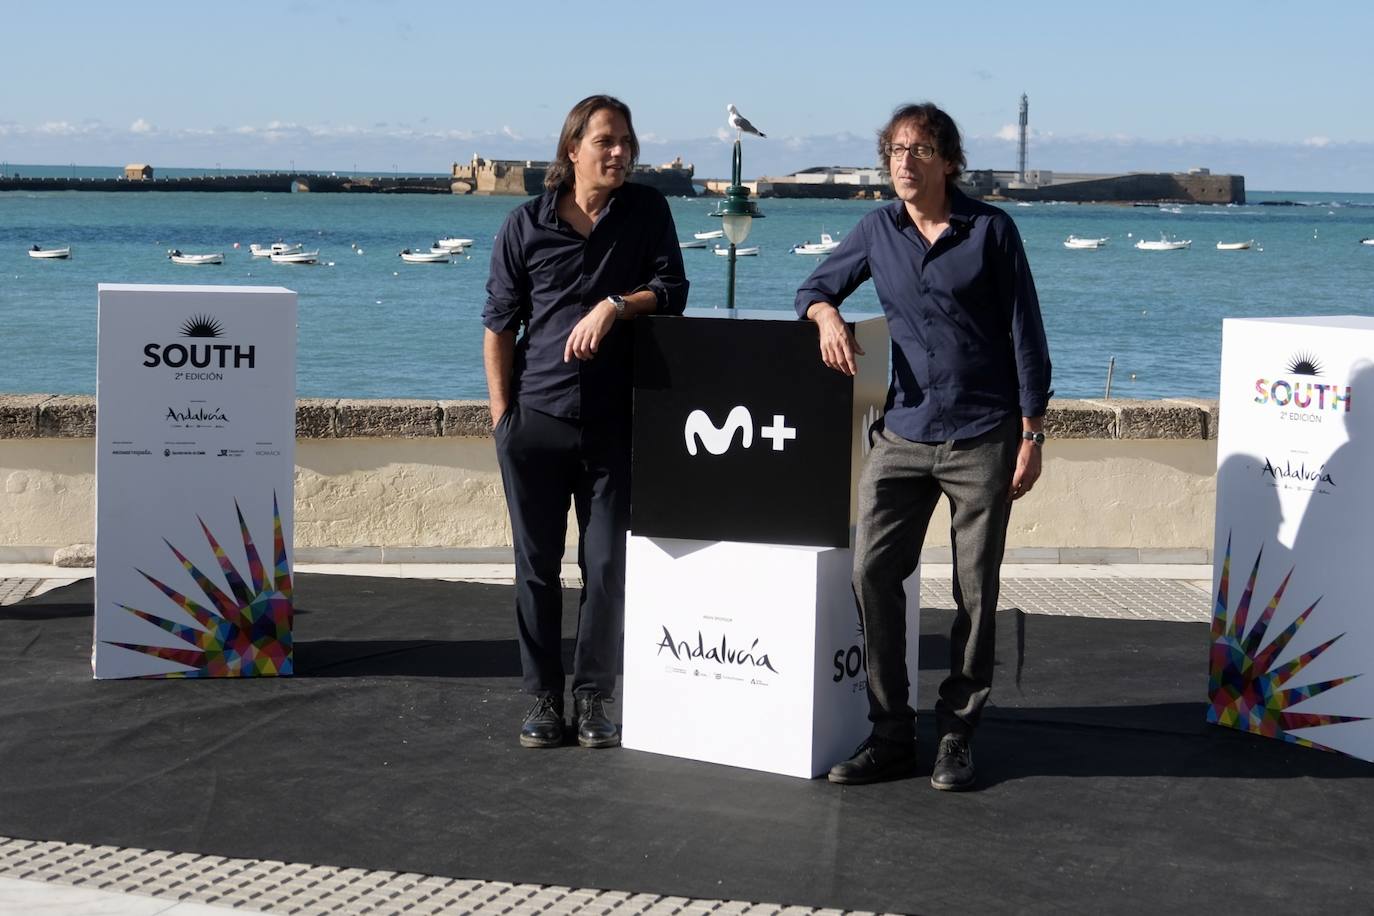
(1021, 146)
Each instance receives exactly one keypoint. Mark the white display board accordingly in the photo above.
(195, 431)
(747, 654)
(1292, 651)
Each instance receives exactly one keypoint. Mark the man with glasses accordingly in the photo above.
(570, 270)
(964, 417)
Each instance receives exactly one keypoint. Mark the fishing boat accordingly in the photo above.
(1082, 244)
(1235, 246)
(826, 245)
(709, 234)
(53, 254)
(266, 251)
(425, 257)
(694, 243)
(195, 260)
(453, 244)
(739, 252)
(296, 257)
(1164, 244)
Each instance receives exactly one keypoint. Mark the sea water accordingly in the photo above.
(371, 325)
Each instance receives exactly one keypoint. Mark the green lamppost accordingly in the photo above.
(737, 213)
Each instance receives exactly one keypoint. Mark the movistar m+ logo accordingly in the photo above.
(699, 430)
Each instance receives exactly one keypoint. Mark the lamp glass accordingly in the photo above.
(736, 226)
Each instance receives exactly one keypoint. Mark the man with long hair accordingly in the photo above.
(964, 418)
(570, 269)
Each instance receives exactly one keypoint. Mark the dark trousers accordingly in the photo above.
(900, 486)
(546, 463)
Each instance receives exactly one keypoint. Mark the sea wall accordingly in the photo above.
(1144, 186)
(417, 481)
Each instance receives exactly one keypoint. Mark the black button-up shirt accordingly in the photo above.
(968, 343)
(545, 277)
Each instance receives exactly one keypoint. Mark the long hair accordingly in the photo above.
(560, 173)
(935, 124)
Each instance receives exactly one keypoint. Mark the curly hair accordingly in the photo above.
(935, 124)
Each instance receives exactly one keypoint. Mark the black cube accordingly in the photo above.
(741, 433)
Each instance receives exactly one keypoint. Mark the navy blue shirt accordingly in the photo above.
(968, 343)
(545, 277)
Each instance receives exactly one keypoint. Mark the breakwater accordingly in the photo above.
(257, 182)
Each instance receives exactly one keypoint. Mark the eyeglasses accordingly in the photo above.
(920, 151)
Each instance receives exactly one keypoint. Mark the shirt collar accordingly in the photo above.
(548, 205)
(960, 209)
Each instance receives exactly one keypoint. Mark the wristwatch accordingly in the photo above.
(1037, 438)
(619, 303)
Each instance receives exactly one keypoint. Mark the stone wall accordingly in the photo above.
(417, 480)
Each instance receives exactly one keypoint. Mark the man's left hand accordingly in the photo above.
(590, 331)
(1027, 470)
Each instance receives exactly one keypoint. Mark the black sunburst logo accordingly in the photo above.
(202, 326)
(1305, 364)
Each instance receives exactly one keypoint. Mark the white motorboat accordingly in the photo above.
(1235, 246)
(739, 252)
(453, 244)
(1367, 241)
(694, 243)
(266, 251)
(826, 245)
(709, 234)
(55, 254)
(425, 257)
(195, 260)
(296, 257)
(1164, 244)
(1082, 244)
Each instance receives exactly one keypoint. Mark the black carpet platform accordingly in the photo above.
(394, 748)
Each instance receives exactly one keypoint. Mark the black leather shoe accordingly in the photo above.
(875, 761)
(953, 765)
(594, 727)
(543, 723)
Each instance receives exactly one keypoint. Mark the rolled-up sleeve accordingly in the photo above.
(669, 281)
(1027, 326)
(839, 274)
(508, 292)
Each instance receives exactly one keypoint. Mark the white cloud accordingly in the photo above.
(723, 135)
(506, 131)
(1008, 132)
(1318, 142)
(141, 126)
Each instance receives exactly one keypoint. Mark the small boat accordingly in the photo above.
(694, 243)
(296, 257)
(739, 252)
(1235, 246)
(425, 257)
(1082, 244)
(826, 245)
(1164, 209)
(1164, 244)
(709, 234)
(55, 254)
(195, 259)
(1367, 241)
(266, 251)
(453, 244)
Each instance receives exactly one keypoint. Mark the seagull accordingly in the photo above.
(741, 123)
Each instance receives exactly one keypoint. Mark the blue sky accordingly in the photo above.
(1275, 91)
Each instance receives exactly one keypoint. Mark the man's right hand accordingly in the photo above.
(838, 346)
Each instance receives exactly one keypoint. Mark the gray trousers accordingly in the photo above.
(898, 490)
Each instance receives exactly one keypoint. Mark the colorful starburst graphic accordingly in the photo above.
(1247, 686)
(245, 633)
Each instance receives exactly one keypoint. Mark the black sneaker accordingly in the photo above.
(543, 723)
(594, 727)
(953, 765)
(875, 760)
